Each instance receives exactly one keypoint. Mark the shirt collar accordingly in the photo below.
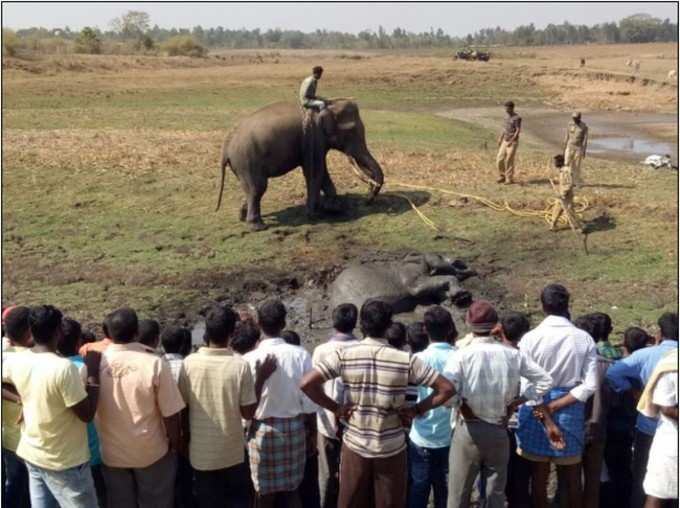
(215, 351)
(669, 342)
(173, 356)
(485, 339)
(439, 345)
(342, 336)
(271, 341)
(556, 321)
(379, 342)
(131, 346)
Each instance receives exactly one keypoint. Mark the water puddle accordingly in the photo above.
(630, 145)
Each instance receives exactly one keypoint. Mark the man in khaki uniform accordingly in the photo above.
(507, 145)
(575, 145)
(565, 190)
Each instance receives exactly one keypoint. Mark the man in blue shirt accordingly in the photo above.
(633, 372)
(430, 437)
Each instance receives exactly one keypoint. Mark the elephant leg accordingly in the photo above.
(331, 203)
(254, 216)
(243, 211)
(327, 186)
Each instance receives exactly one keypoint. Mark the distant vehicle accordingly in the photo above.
(472, 55)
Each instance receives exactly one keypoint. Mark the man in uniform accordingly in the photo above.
(308, 98)
(565, 191)
(507, 145)
(575, 145)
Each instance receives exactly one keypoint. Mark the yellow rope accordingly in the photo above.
(581, 203)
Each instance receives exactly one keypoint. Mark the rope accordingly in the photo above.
(581, 203)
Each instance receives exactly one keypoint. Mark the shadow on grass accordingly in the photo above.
(353, 206)
(608, 186)
(600, 223)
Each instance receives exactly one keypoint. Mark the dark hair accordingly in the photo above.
(246, 335)
(176, 339)
(291, 337)
(588, 324)
(17, 324)
(439, 324)
(668, 325)
(45, 323)
(603, 326)
(70, 340)
(635, 338)
(105, 326)
(123, 325)
(515, 325)
(87, 336)
(317, 69)
(149, 332)
(345, 317)
(509, 104)
(396, 335)
(375, 317)
(219, 325)
(416, 336)
(271, 316)
(555, 300)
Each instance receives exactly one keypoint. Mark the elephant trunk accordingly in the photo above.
(370, 167)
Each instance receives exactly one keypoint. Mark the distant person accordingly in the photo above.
(635, 338)
(246, 336)
(575, 146)
(569, 355)
(291, 337)
(565, 197)
(373, 471)
(219, 390)
(512, 327)
(138, 419)
(176, 342)
(284, 425)
(330, 431)
(604, 329)
(417, 337)
(507, 145)
(15, 475)
(308, 97)
(56, 408)
(633, 372)
(660, 399)
(68, 347)
(149, 334)
(487, 376)
(396, 336)
(98, 346)
(430, 435)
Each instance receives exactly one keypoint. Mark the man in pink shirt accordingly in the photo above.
(137, 420)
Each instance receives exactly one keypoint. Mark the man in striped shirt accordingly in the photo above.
(375, 375)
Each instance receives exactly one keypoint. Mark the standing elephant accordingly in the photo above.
(269, 143)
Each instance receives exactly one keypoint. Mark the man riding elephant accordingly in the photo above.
(308, 97)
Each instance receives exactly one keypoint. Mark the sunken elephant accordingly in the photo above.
(417, 279)
(270, 143)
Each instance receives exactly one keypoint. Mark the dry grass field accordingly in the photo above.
(110, 173)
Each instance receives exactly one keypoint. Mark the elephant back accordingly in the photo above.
(358, 283)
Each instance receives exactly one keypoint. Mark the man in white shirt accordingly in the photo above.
(329, 441)
(486, 374)
(285, 420)
(569, 355)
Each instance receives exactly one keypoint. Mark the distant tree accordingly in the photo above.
(88, 42)
(639, 28)
(131, 25)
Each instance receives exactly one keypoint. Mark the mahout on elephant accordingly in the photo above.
(416, 279)
(270, 143)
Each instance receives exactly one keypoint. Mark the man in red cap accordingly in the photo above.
(486, 375)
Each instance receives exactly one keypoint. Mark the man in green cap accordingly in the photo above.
(575, 145)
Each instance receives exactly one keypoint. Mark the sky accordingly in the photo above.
(455, 19)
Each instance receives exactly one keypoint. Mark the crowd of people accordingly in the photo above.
(405, 416)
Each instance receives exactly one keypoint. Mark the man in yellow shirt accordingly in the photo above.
(15, 488)
(565, 202)
(56, 407)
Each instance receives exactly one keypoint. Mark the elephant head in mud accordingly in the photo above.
(417, 279)
(270, 143)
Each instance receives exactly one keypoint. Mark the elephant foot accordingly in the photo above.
(466, 274)
(462, 299)
(242, 214)
(258, 226)
(332, 206)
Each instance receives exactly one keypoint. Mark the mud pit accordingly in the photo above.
(307, 296)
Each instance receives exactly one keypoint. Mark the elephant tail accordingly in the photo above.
(225, 162)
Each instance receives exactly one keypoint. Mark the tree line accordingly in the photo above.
(133, 31)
